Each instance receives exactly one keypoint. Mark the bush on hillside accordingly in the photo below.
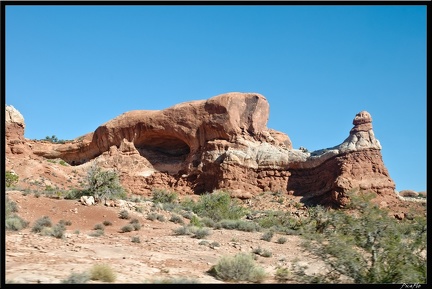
(11, 179)
(104, 184)
(239, 268)
(368, 245)
(218, 206)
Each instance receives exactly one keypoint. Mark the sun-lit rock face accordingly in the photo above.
(220, 143)
(355, 163)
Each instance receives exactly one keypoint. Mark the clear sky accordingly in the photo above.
(70, 69)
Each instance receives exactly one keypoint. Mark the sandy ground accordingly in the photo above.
(160, 254)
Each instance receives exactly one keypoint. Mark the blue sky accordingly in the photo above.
(70, 69)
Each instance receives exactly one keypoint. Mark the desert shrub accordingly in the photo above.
(201, 233)
(77, 278)
(152, 216)
(262, 252)
(99, 227)
(218, 206)
(127, 228)
(124, 214)
(160, 218)
(75, 194)
(266, 253)
(11, 179)
(102, 272)
(282, 274)
(207, 222)
(196, 221)
(177, 219)
(104, 184)
(281, 240)
(267, 236)
(187, 204)
(135, 224)
(15, 223)
(136, 239)
(241, 267)
(134, 221)
(97, 233)
(367, 244)
(58, 231)
(65, 222)
(280, 221)
(107, 223)
(183, 230)
(170, 207)
(163, 196)
(214, 244)
(240, 225)
(40, 223)
(10, 207)
(228, 224)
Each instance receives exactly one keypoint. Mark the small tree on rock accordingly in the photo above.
(104, 184)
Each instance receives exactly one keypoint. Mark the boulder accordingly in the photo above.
(87, 200)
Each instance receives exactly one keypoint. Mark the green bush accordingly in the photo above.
(240, 225)
(41, 223)
(98, 227)
(15, 223)
(201, 233)
(75, 194)
(367, 244)
(241, 267)
(183, 230)
(107, 223)
(281, 240)
(11, 179)
(135, 224)
(282, 274)
(104, 184)
(218, 206)
(127, 228)
(124, 214)
(163, 196)
(102, 272)
(58, 231)
(267, 236)
(11, 207)
(177, 219)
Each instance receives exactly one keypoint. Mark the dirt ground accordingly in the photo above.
(32, 258)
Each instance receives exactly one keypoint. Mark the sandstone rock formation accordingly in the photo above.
(324, 176)
(220, 143)
(14, 123)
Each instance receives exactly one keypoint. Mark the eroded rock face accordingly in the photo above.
(324, 176)
(223, 143)
(14, 136)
